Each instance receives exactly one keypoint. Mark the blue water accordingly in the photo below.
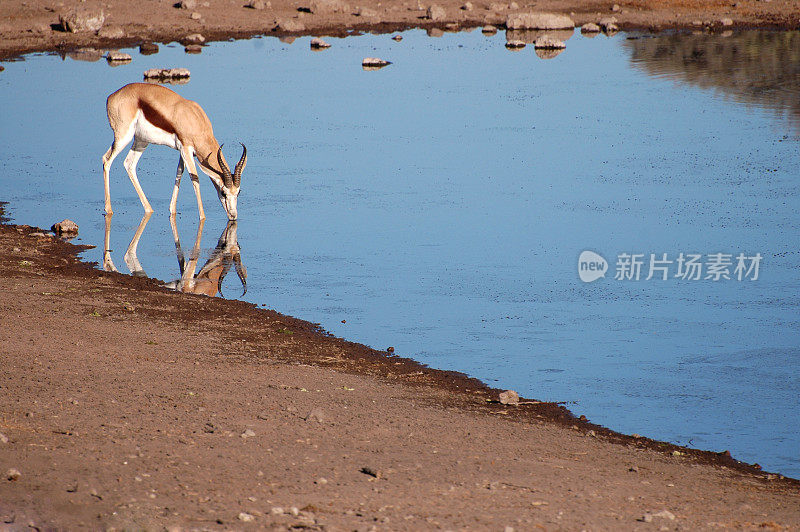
(439, 206)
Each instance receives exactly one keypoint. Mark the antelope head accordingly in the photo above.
(229, 191)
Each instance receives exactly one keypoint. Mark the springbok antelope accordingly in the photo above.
(152, 114)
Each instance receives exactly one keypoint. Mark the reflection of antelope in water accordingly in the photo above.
(209, 279)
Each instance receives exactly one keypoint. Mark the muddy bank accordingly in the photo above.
(126, 405)
(37, 25)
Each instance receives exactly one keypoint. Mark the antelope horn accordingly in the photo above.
(226, 172)
(237, 172)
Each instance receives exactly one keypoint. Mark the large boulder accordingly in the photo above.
(538, 21)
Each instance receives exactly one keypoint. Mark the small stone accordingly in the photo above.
(82, 20)
(513, 5)
(468, 6)
(148, 48)
(111, 33)
(664, 514)
(316, 415)
(677, 453)
(390, 349)
(397, 38)
(436, 13)
(66, 226)
(591, 434)
(590, 27)
(615, 8)
(538, 21)
(321, 481)
(277, 510)
(118, 57)
(370, 471)
(167, 74)
(633, 469)
(365, 12)
(248, 434)
(247, 518)
(515, 44)
(193, 38)
(256, 4)
(187, 4)
(510, 397)
(294, 511)
(13, 475)
(3, 438)
(547, 42)
(193, 49)
(374, 62)
(489, 29)
(634, 435)
(289, 25)
(319, 44)
(726, 22)
(195, 16)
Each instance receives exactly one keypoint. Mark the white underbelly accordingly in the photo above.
(147, 132)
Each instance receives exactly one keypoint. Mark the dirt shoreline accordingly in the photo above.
(28, 26)
(125, 405)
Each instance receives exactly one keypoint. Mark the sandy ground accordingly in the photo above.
(34, 25)
(124, 405)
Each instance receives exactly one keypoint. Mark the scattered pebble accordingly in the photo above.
(468, 6)
(167, 74)
(590, 27)
(515, 44)
(118, 57)
(248, 434)
(82, 20)
(289, 25)
(666, 514)
(148, 48)
(319, 44)
(510, 397)
(615, 8)
(370, 471)
(187, 4)
(489, 29)
(390, 349)
(397, 38)
(193, 49)
(243, 516)
(726, 22)
(436, 13)
(195, 16)
(317, 415)
(374, 62)
(277, 510)
(13, 474)
(194, 38)
(3, 438)
(66, 226)
(539, 21)
(256, 4)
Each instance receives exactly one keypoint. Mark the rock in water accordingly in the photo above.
(118, 57)
(374, 63)
(319, 44)
(590, 27)
(65, 227)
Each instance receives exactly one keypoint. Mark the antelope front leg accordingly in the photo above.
(188, 160)
(173, 204)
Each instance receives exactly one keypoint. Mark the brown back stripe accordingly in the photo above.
(156, 118)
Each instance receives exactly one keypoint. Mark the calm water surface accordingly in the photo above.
(440, 206)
